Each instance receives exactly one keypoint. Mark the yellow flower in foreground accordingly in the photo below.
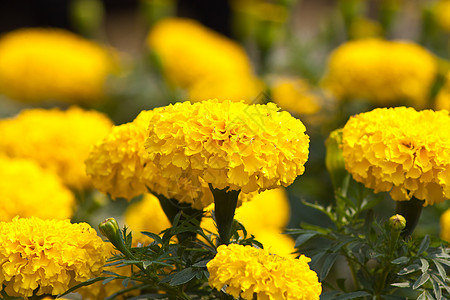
(445, 226)
(228, 144)
(401, 151)
(384, 72)
(246, 271)
(57, 140)
(38, 64)
(28, 190)
(189, 52)
(47, 256)
(120, 166)
(295, 96)
(442, 14)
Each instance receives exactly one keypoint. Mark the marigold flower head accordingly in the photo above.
(246, 271)
(189, 51)
(120, 166)
(58, 140)
(38, 64)
(25, 186)
(295, 95)
(47, 256)
(401, 151)
(228, 144)
(384, 72)
(445, 225)
(442, 14)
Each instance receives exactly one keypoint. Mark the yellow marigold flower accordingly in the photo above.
(246, 271)
(47, 256)
(384, 72)
(120, 166)
(401, 151)
(228, 144)
(189, 52)
(442, 14)
(25, 186)
(295, 96)
(38, 64)
(445, 226)
(57, 140)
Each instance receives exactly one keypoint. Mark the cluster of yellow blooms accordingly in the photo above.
(25, 186)
(202, 61)
(385, 72)
(246, 271)
(228, 144)
(57, 140)
(402, 151)
(38, 64)
(47, 256)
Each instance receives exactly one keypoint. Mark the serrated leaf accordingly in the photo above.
(352, 295)
(424, 245)
(409, 269)
(425, 265)
(421, 280)
(400, 260)
(440, 269)
(183, 276)
(327, 265)
(303, 239)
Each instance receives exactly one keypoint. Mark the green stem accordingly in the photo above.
(411, 211)
(225, 205)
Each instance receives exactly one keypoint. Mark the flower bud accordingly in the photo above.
(397, 222)
(334, 160)
(110, 229)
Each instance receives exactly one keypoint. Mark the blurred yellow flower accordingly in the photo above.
(401, 151)
(41, 64)
(384, 72)
(120, 166)
(58, 140)
(25, 186)
(295, 95)
(445, 226)
(443, 97)
(47, 256)
(190, 52)
(228, 144)
(442, 14)
(245, 271)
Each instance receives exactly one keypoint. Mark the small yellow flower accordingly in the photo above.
(57, 140)
(38, 64)
(384, 72)
(190, 52)
(246, 271)
(445, 226)
(47, 256)
(25, 186)
(401, 151)
(228, 144)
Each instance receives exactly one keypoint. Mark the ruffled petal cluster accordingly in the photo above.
(381, 71)
(25, 186)
(401, 151)
(47, 256)
(120, 166)
(245, 271)
(38, 64)
(228, 144)
(58, 140)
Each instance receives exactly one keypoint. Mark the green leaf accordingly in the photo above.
(443, 261)
(201, 264)
(409, 269)
(440, 269)
(421, 280)
(424, 245)
(437, 279)
(400, 260)
(183, 276)
(328, 295)
(85, 283)
(425, 265)
(304, 238)
(108, 280)
(352, 295)
(436, 289)
(341, 284)
(154, 236)
(327, 265)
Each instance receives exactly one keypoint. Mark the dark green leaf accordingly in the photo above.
(436, 289)
(328, 295)
(183, 276)
(424, 245)
(421, 280)
(154, 236)
(440, 269)
(328, 263)
(409, 269)
(304, 238)
(372, 203)
(400, 260)
(352, 295)
(108, 280)
(437, 279)
(443, 261)
(201, 264)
